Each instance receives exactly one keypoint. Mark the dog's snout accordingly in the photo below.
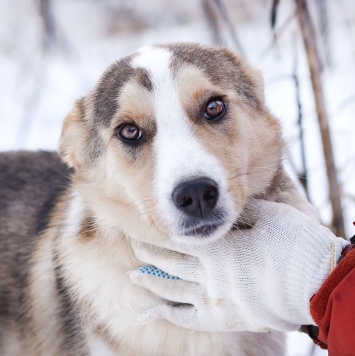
(197, 197)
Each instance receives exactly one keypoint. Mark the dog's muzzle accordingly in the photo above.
(197, 200)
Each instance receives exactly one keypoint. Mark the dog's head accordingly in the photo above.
(176, 136)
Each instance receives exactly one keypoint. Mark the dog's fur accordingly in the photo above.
(65, 230)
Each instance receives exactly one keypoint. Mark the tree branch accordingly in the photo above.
(276, 35)
(48, 24)
(303, 175)
(233, 33)
(309, 41)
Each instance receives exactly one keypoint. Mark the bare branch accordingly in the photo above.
(233, 33)
(274, 8)
(309, 40)
(276, 36)
(209, 10)
(49, 32)
(303, 175)
(323, 17)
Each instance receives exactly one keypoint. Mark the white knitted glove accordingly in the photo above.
(251, 280)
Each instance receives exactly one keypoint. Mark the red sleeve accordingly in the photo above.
(333, 308)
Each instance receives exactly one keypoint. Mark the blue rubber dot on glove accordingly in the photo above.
(152, 270)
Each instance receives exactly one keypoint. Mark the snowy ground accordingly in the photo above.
(39, 88)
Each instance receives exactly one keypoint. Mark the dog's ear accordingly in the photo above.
(258, 81)
(254, 75)
(73, 137)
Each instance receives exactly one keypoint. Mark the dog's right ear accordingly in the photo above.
(72, 139)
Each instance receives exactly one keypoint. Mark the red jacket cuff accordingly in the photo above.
(319, 301)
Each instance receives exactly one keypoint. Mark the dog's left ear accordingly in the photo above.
(254, 75)
(72, 139)
(258, 82)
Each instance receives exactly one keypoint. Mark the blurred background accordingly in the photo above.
(53, 51)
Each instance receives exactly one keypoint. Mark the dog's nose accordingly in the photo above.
(196, 197)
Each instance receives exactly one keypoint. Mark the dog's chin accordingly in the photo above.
(203, 233)
(205, 230)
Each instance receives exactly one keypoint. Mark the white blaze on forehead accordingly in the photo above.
(180, 156)
(174, 136)
(168, 111)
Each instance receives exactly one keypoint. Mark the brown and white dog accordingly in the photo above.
(171, 144)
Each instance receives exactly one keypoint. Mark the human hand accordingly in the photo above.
(250, 280)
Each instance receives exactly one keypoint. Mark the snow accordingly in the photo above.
(38, 88)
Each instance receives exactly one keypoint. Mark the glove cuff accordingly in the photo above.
(309, 267)
(319, 301)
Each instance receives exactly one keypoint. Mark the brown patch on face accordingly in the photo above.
(143, 78)
(95, 112)
(104, 96)
(195, 90)
(221, 66)
(136, 162)
(115, 167)
(246, 140)
(81, 141)
(136, 107)
(249, 145)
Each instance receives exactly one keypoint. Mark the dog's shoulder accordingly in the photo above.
(30, 179)
(30, 183)
(19, 169)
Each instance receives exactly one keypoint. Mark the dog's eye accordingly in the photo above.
(130, 132)
(215, 109)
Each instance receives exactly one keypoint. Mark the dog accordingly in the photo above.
(171, 143)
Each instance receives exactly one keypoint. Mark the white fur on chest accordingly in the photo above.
(97, 273)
